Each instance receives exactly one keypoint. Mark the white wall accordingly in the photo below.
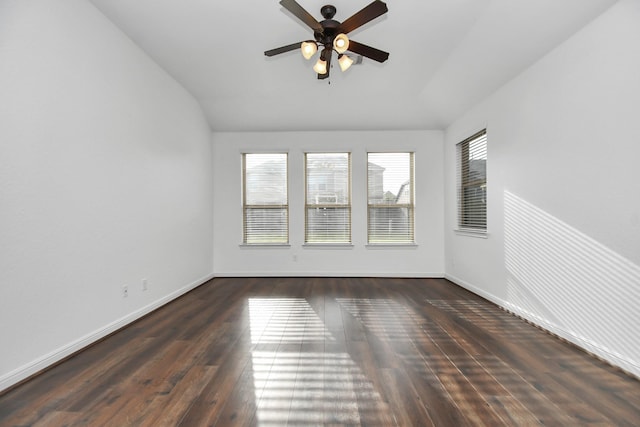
(425, 259)
(564, 192)
(105, 179)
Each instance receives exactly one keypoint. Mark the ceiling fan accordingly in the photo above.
(331, 35)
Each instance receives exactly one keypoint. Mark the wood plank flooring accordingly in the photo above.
(327, 351)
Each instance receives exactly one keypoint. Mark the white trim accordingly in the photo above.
(264, 151)
(630, 366)
(479, 234)
(311, 274)
(391, 150)
(265, 245)
(60, 353)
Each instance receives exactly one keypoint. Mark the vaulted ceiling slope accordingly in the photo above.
(446, 55)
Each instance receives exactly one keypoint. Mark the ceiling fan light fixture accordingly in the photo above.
(308, 49)
(341, 43)
(345, 62)
(320, 67)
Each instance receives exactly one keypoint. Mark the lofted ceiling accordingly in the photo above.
(445, 56)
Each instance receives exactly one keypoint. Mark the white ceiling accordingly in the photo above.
(445, 55)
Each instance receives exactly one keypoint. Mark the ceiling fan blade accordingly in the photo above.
(368, 13)
(368, 51)
(300, 13)
(283, 49)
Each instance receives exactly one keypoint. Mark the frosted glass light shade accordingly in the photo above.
(341, 43)
(308, 49)
(345, 62)
(320, 67)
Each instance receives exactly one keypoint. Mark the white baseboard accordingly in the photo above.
(630, 366)
(55, 356)
(407, 275)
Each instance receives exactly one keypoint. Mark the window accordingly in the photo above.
(472, 182)
(328, 198)
(390, 198)
(265, 199)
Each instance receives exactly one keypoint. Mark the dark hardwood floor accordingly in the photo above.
(327, 351)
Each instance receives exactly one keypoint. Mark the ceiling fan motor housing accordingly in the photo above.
(330, 27)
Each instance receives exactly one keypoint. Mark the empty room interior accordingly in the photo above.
(434, 220)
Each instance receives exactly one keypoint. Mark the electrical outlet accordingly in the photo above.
(145, 284)
(125, 291)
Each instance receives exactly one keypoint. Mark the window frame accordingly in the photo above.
(348, 206)
(247, 207)
(411, 206)
(464, 182)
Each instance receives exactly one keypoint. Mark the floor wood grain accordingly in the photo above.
(327, 351)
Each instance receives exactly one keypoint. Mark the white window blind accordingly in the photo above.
(265, 198)
(472, 182)
(328, 198)
(390, 198)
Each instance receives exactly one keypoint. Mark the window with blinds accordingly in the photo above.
(327, 198)
(472, 182)
(265, 206)
(390, 198)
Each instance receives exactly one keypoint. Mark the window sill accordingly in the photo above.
(327, 245)
(479, 234)
(264, 245)
(391, 245)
